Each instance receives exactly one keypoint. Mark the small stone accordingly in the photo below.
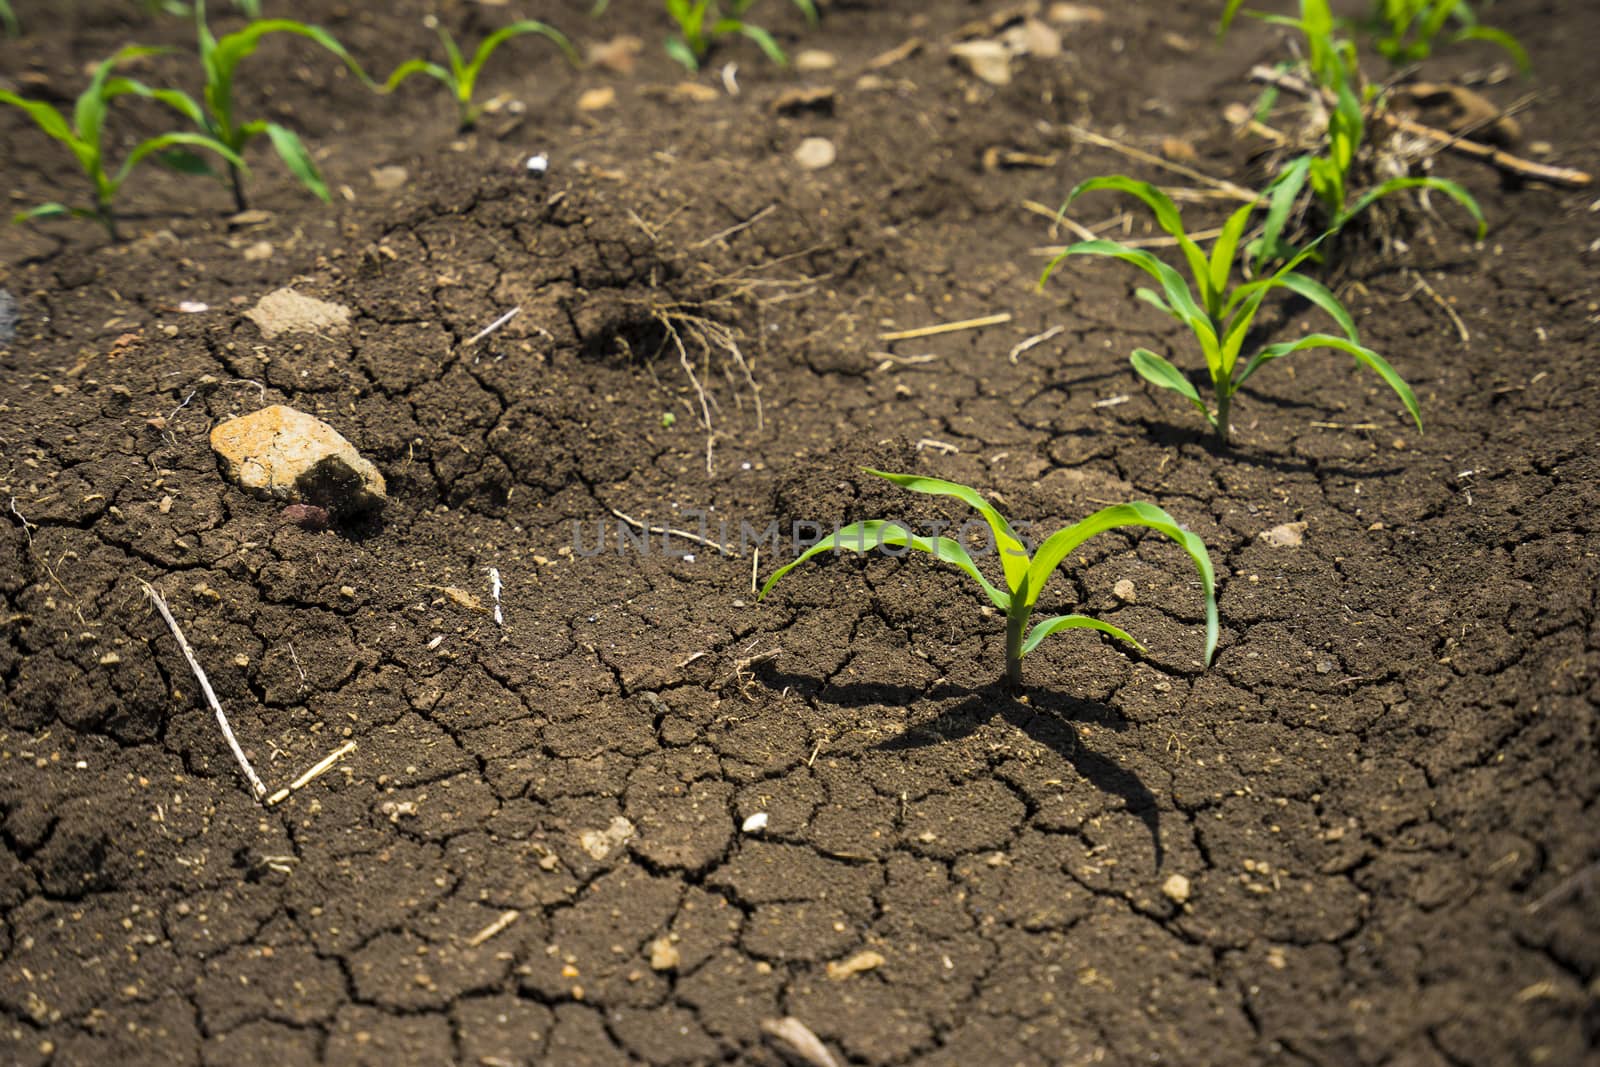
(597, 99)
(388, 179)
(258, 252)
(1031, 37)
(1176, 888)
(664, 955)
(1125, 591)
(286, 311)
(755, 823)
(1075, 14)
(812, 60)
(8, 317)
(1288, 535)
(815, 153)
(1178, 150)
(990, 61)
(291, 456)
(618, 54)
(866, 960)
(601, 843)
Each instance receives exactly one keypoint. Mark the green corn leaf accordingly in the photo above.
(1059, 545)
(49, 120)
(1013, 556)
(679, 50)
(419, 66)
(808, 9)
(170, 140)
(1166, 212)
(1365, 356)
(1173, 286)
(867, 536)
(176, 99)
(1317, 294)
(1441, 185)
(761, 37)
(8, 19)
(89, 113)
(1222, 256)
(51, 210)
(1157, 371)
(469, 79)
(294, 155)
(1157, 301)
(1281, 197)
(1045, 627)
(1519, 55)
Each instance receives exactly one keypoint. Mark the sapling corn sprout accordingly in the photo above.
(215, 114)
(1025, 576)
(84, 137)
(702, 22)
(1345, 101)
(1220, 314)
(1407, 31)
(461, 77)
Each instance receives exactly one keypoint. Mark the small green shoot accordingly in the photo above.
(1025, 576)
(8, 19)
(1407, 31)
(702, 22)
(220, 61)
(461, 77)
(1220, 314)
(1334, 166)
(84, 137)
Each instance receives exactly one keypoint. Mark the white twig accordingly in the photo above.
(493, 326)
(494, 591)
(317, 770)
(505, 919)
(736, 227)
(1036, 339)
(669, 531)
(205, 685)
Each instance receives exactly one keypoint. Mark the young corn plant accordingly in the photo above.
(702, 22)
(1342, 157)
(1218, 313)
(84, 137)
(216, 115)
(461, 77)
(1407, 31)
(1025, 575)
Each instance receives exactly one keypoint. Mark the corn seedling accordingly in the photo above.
(84, 137)
(1341, 155)
(1407, 31)
(461, 77)
(1025, 576)
(8, 19)
(702, 22)
(215, 114)
(1220, 314)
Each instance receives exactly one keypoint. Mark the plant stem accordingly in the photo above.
(1220, 423)
(239, 203)
(1016, 622)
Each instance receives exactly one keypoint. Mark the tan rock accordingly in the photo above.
(664, 955)
(286, 311)
(1288, 535)
(815, 153)
(1176, 888)
(297, 458)
(988, 60)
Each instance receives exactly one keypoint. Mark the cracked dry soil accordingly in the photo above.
(1382, 795)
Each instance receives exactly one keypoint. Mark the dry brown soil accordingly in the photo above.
(1382, 794)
